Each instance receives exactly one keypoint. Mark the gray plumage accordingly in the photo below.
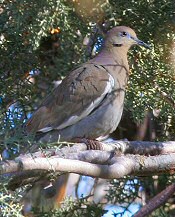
(89, 101)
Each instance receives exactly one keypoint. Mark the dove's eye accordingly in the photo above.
(123, 34)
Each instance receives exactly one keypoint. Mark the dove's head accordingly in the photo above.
(123, 37)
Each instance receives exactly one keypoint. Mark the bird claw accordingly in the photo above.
(91, 144)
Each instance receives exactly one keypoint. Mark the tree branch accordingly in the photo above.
(156, 201)
(109, 163)
(125, 147)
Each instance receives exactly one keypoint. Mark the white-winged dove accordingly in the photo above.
(88, 104)
(89, 101)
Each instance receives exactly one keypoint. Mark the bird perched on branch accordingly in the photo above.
(88, 104)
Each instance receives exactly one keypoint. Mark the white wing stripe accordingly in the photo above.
(74, 119)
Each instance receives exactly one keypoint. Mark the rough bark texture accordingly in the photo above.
(117, 159)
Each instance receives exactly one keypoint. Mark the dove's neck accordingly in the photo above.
(112, 56)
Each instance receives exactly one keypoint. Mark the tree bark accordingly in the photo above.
(118, 159)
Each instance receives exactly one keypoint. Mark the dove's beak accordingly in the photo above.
(141, 43)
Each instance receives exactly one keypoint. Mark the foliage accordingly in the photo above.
(76, 208)
(9, 202)
(41, 41)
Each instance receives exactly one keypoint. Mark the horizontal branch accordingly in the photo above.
(115, 167)
(117, 159)
(119, 146)
(150, 148)
(124, 165)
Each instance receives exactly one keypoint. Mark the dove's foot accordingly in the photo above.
(91, 144)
